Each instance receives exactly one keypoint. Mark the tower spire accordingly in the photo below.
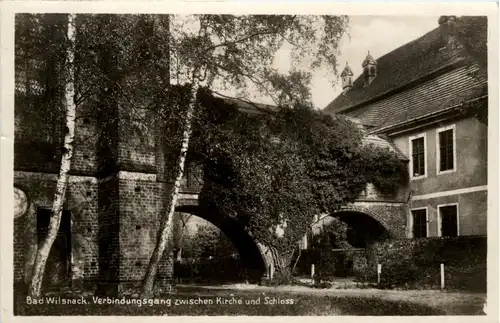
(369, 68)
(346, 78)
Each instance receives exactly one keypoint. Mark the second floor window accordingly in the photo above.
(446, 151)
(418, 156)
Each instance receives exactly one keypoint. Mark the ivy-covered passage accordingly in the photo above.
(275, 170)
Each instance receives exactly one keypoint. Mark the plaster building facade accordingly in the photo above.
(415, 97)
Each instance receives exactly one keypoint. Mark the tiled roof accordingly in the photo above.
(441, 92)
(413, 80)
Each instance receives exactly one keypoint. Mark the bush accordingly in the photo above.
(415, 263)
(215, 270)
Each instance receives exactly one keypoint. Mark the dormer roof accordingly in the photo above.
(413, 80)
(369, 60)
(347, 71)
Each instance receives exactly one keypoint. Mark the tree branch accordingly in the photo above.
(229, 43)
(253, 79)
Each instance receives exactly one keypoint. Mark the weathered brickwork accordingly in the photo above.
(37, 143)
(140, 203)
(136, 142)
(82, 205)
(392, 216)
(85, 153)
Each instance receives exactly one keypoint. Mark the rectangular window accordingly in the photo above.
(419, 218)
(418, 156)
(446, 149)
(449, 220)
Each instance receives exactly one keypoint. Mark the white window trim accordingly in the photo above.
(438, 152)
(439, 217)
(422, 135)
(426, 220)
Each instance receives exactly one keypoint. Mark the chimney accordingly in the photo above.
(369, 69)
(448, 29)
(346, 78)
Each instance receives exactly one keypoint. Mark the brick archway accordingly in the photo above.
(251, 253)
(391, 216)
(365, 223)
(374, 214)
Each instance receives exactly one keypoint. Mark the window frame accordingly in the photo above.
(438, 150)
(424, 136)
(412, 221)
(440, 233)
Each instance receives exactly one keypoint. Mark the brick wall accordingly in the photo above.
(139, 213)
(108, 226)
(114, 216)
(38, 143)
(81, 202)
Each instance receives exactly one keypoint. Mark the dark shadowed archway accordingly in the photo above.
(250, 254)
(364, 229)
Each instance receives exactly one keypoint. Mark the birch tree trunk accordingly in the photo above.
(62, 181)
(167, 218)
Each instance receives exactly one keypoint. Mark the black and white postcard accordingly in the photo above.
(238, 159)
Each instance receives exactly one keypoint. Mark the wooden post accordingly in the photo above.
(379, 272)
(312, 271)
(442, 276)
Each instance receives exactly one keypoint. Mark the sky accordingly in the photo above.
(377, 34)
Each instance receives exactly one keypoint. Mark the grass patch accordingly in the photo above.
(247, 303)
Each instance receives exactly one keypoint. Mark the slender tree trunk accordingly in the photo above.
(60, 194)
(179, 254)
(167, 218)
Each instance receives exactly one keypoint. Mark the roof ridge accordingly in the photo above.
(400, 69)
(406, 44)
(412, 81)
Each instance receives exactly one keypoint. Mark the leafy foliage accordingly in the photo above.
(332, 235)
(239, 52)
(121, 80)
(207, 242)
(275, 170)
(384, 169)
